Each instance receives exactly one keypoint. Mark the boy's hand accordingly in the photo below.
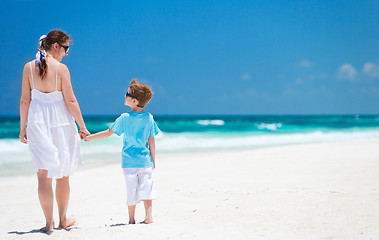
(83, 133)
(87, 138)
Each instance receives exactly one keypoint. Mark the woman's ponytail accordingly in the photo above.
(41, 57)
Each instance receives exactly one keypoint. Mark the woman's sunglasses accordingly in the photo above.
(66, 48)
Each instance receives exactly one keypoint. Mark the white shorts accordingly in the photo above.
(139, 185)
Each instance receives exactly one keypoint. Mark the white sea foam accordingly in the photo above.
(211, 122)
(269, 126)
(12, 146)
(167, 142)
(191, 142)
(13, 153)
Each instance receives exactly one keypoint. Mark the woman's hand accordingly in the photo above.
(22, 136)
(83, 132)
(87, 138)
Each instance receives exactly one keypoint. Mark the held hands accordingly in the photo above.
(83, 132)
(24, 139)
(87, 138)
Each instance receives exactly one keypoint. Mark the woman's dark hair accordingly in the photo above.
(55, 36)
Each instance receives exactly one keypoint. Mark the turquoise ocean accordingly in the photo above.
(187, 134)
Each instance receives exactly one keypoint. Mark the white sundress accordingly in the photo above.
(53, 138)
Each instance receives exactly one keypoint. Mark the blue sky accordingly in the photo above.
(204, 57)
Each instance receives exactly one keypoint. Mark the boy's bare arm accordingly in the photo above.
(99, 135)
(152, 149)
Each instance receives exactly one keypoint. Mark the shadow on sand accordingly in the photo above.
(39, 231)
(29, 232)
(118, 225)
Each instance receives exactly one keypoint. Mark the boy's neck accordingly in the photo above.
(136, 109)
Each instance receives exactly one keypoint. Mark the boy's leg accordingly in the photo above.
(131, 181)
(148, 211)
(132, 210)
(147, 192)
(46, 198)
(62, 195)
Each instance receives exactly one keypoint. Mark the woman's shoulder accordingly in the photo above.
(27, 65)
(62, 69)
(62, 66)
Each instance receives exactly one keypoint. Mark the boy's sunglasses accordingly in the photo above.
(128, 95)
(66, 48)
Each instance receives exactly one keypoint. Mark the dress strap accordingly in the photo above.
(56, 78)
(31, 73)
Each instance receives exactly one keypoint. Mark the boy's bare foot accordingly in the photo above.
(132, 222)
(68, 222)
(147, 221)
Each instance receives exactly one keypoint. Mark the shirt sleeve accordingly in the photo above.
(154, 130)
(119, 125)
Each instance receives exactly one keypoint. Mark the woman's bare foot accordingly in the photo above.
(68, 222)
(147, 221)
(48, 228)
(132, 222)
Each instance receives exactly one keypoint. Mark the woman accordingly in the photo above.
(49, 108)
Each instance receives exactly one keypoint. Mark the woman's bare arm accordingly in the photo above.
(70, 99)
(24, 102)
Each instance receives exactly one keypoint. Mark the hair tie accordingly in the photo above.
(40, 56)
(41, 40)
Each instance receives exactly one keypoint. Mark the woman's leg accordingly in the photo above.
(62, 194)
(149, 211)
(46, 198)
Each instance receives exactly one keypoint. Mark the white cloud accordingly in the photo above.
(248, 93)
(152, 60)
(370, 90)
(305, 63)
(245, 76)
(299, 81)
(251, 91)
(305, 79)
(289, 91)
(347, 72)
(157, 88)
(371, 69)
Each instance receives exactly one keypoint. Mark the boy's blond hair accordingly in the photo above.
(141, 92)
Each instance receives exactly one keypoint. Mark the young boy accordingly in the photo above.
(138, 151)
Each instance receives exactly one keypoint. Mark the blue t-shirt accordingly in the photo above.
(137, 128)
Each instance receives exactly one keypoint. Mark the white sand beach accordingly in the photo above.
(310, 191)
